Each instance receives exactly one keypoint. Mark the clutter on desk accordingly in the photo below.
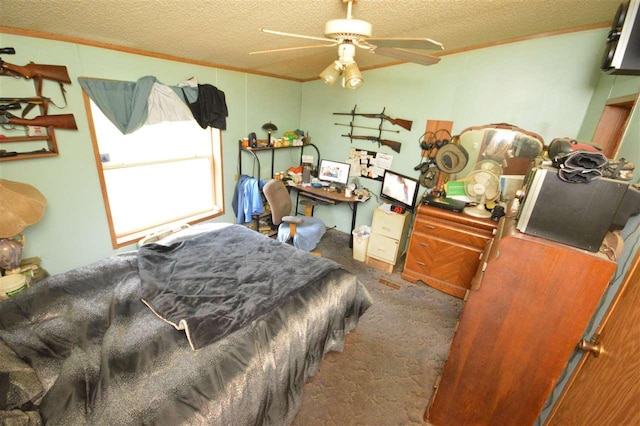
(385, 207)
(361, 194)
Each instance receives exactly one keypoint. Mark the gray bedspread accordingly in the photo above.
(104, 358)
(216, 283)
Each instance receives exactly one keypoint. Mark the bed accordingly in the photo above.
(83, 348)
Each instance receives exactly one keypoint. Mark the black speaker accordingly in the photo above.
(577, 214)
(622, 53)
(629, 206)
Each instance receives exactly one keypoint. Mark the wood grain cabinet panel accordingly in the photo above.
(445, 249)
(518, 330)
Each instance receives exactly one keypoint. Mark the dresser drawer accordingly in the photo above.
(383, 248)
(452, 232)
(389, 224)
(452, 263)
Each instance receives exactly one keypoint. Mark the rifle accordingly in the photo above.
(14, 105)
(38, 72)
(391, 144)
(36, 100)
(31, 103)
(352, 126)
(61, 121)
(405, 124)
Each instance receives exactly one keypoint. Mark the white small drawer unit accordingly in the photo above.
(388, 236)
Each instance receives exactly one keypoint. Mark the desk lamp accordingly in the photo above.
(21, 205)
(269, 127)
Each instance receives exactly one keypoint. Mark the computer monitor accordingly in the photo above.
(334, 172)
(399, 189)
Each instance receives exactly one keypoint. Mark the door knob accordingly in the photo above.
(594, 347)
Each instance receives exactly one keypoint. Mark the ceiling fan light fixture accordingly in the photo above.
(331, 74)
(349, 34)
(340, 29)
(352, 77)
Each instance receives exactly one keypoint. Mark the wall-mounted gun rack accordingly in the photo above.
(394, 145)
(40, 128)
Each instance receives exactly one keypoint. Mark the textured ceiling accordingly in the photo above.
(223, 32)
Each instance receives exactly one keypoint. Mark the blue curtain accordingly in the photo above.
(125, 103)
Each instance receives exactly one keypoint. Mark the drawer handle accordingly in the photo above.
(424, 244)
(421, 263)
(386, 228)
(429, 226)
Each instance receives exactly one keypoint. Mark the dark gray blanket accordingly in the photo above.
(103, 358)
(211, 285)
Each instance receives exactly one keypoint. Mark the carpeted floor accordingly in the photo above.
(390, 362)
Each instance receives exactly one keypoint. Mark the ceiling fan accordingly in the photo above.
(350, 33)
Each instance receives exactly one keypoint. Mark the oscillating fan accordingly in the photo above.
(489, 166)
(483, 186)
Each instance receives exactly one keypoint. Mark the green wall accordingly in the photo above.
(74, 229)
(543, 85)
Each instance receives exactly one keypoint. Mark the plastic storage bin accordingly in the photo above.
(360, 242)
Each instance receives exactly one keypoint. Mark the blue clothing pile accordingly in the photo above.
(247, 198)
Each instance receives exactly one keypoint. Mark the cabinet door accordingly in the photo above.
(606, 389)
(383, 248)
(517, 332)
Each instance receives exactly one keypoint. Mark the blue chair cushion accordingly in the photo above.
(308, 234)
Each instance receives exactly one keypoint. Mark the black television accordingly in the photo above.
(399, 190)
(334, 172)
(622, 53)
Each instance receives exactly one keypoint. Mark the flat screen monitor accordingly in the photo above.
(399, 189)
(334, 172)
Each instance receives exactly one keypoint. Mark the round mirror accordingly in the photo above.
(510, 146)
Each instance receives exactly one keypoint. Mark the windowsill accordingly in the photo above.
(124, 240)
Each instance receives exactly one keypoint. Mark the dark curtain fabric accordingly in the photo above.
(210, 110)
(126, 103)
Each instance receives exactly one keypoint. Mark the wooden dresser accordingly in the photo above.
(445, 248)
(528, 306)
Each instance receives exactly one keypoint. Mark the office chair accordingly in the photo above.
(306, 231)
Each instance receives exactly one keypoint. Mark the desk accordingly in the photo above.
(327, 197)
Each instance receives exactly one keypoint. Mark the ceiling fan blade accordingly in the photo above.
(297, 35)
(406, 43)
(407, 55)
(286, 49)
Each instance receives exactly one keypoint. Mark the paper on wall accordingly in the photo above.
(383, 160)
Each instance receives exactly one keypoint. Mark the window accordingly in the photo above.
(156, 177)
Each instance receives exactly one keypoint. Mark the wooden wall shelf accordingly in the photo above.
(51, 149)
